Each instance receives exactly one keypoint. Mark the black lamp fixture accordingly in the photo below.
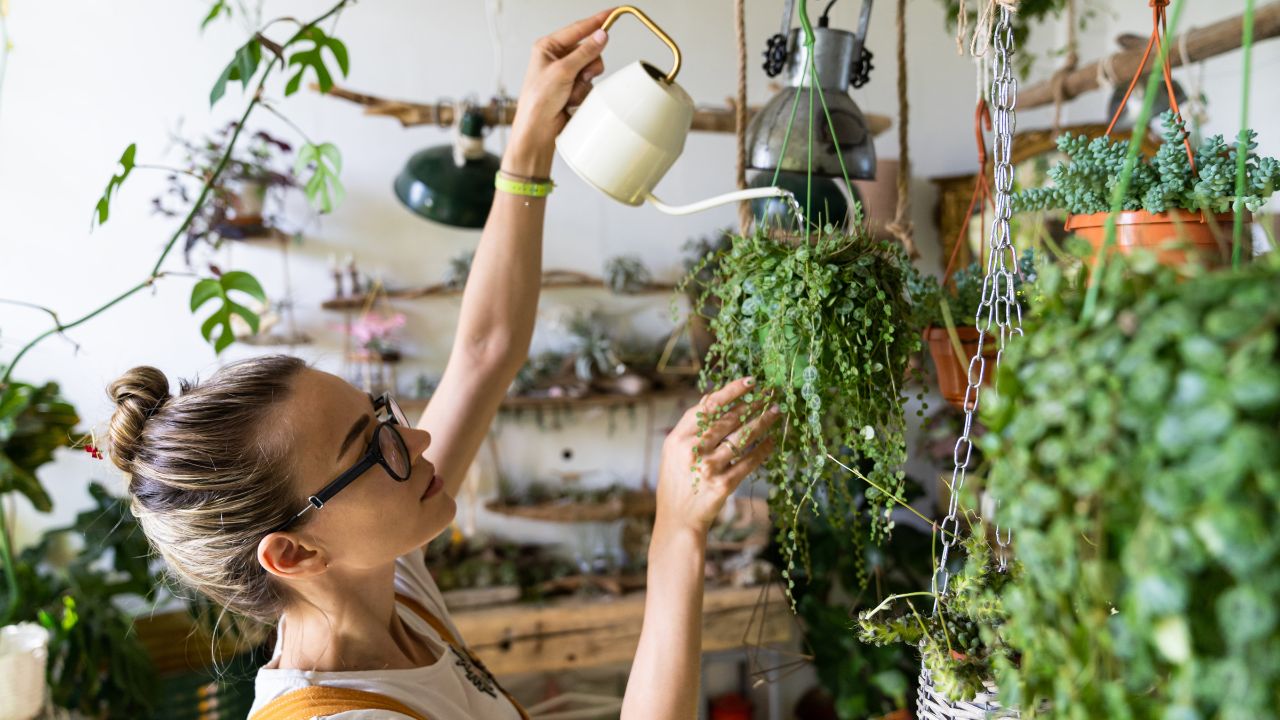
(452, 184)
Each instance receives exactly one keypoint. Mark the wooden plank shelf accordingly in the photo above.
(514, 404)
(573, 633)
(633, 504)
(551, 280)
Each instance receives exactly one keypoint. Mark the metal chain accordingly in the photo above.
(999, 304)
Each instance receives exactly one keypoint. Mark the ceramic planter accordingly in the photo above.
(953, 372)
(23, 655)
(1173, 236)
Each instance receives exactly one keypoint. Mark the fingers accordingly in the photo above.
(730, 421)
(738, 471)
(735, 443)
(572, 34)
(712, 402)
(581, 89)
(585, 53)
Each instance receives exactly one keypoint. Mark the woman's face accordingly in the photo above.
(376, 518)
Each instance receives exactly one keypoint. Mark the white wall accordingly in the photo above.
(88, 77)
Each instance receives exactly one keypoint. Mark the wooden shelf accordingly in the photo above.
(572, 633)
(632, 504)
(551, 280)
(513, 404)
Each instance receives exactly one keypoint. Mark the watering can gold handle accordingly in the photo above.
(628, 9)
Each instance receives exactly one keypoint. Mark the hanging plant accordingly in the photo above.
(1139, 476)
(961, 643)
(952, 307)
(827, 328)
(1165, 200)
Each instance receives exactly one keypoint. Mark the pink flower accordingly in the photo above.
(372, 328)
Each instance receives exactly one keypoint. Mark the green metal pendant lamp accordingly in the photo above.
(452, 184)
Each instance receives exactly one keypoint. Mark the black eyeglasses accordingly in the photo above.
(386, 449)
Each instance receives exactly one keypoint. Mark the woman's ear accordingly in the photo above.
(284, 555)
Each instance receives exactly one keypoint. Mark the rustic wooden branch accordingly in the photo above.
(1206, 42)
(706, 119)
(551, 279)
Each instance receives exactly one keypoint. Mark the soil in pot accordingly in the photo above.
(953, 372)
(1175, 236)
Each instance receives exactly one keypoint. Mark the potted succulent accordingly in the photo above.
(1169, 206)
(626, 275)
(827, 328)
(952, 307)
(237, 204)
(1138, 473)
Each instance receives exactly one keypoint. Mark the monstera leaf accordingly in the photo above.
(312, 58)
(220, 288)
(324, 188)
(241, 68)
(34, 422)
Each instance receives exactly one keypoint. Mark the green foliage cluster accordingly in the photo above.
(626, 274)
(864, 681)
(1140, 474)
(963, 294)
(1085, 182)
(827, 328)
(962, 643)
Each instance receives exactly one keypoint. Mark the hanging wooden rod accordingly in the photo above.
(1206, 42)
(409, 114)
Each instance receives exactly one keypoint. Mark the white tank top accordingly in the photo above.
(452, 688)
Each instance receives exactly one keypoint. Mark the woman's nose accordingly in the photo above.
(419, 440)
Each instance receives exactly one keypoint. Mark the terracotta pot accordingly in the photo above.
(1173, 236)
(953, 373)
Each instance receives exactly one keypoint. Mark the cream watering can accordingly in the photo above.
(631, 128)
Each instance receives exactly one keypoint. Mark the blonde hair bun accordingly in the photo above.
(138, 394)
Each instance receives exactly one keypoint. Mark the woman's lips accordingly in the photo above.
(433, 487)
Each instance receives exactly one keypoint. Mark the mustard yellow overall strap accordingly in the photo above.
(308, 702)
(441, 628)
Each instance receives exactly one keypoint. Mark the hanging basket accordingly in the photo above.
(1173, 236)
(953, 372)
(932, 705)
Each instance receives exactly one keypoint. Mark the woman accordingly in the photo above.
(285, 494)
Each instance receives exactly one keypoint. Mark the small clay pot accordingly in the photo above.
(953, 372)
(1173, 236)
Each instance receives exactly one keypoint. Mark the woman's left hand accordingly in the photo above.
(560, 72)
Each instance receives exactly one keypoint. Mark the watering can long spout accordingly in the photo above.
(737, 196)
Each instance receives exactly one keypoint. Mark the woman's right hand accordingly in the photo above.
(691, 496)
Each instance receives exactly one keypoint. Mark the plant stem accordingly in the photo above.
(885, 603)
(1242, 142)
(11, 577)
(888, 494)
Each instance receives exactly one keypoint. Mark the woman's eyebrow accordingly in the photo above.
(356, 428)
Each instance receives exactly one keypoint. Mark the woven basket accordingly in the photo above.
(932, 705)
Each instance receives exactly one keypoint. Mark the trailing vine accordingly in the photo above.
(827, 328)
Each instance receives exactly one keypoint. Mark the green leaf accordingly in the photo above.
(241, 68)
(14, 478)
(220, 288)
(219, 8)
(103, 208)
(313, 58)
(323, 188)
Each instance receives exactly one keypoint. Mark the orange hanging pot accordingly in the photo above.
(953, 372)
(1175, 236)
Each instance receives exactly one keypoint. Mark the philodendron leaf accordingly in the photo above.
(13, 477)
(241, 68)
(102, 210)
(219, 8)
(220, 288)
(313, 58)
(324, 189)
